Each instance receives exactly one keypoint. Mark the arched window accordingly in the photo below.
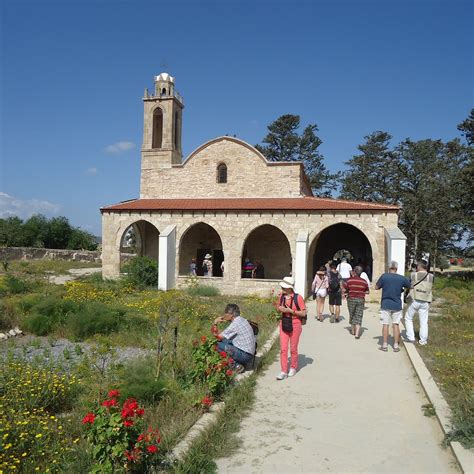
(176, 129)
(222, 173)
(157, 128)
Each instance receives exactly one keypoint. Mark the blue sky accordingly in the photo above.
(73, 74)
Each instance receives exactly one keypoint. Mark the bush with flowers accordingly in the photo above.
(117, 439)
(211, 366)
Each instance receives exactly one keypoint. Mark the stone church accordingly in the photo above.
(225, 199)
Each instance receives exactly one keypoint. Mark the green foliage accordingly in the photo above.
(38, 231)
(467, 128)
(12, 285)
(203, 290)
(137, 378)
(284, 143)
(142, 272)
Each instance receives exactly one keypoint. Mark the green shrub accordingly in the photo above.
(8, 316)
(12, 285)
(142, 272)
(203, 290)
(137, 379)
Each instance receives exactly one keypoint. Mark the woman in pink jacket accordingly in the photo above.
(320, 290)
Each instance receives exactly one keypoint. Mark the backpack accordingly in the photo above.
(334, 284)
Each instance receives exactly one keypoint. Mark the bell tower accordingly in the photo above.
(163, 113)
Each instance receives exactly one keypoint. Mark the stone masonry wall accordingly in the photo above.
(233, 229)
(27, 253)
(248, 175)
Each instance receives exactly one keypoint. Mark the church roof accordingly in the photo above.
(306, 203)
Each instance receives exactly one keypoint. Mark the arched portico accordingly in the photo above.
(330, 243)
(197, 241)
(268, 245)
(140, 238)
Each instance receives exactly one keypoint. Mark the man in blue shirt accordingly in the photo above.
(392, 285)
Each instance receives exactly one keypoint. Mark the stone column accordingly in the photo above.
(110, 248)
(167, 258)
(301, 257)
(396, 243)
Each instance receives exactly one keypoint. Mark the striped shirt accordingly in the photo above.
(356, 287)
(241, 334)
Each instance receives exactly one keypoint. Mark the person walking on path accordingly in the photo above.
(292, 309)
(319, 288)
(356, 288)
(344, 269)
(392, 285)
(421, 296)
(335, 293)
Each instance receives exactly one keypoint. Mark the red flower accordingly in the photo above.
(139, 411)
(140, 438)
(113, 394)
(152, 449)
(89, 418)
(230, 360)
(206, 401)
(229, 372)
(128, 423)
(109, 403)
(131, 404)
(223, 354)
(129, 455)
(203, 339)
(225, 363)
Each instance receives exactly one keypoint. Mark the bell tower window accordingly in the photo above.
(176, 130)
(157, 128)
(222, 173)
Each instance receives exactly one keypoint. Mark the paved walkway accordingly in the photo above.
(350, 408)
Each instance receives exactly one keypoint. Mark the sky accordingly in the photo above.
(72, 77)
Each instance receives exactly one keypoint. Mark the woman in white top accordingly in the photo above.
(320, 290)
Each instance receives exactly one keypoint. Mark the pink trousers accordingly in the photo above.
(292, 339)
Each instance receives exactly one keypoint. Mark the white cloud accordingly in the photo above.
(25, 208)
(91, 171)
(119, 147)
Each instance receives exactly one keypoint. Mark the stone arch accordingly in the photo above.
(196, 241)
(269, 245)
(338, 237)
(157, 132)
(139, 238)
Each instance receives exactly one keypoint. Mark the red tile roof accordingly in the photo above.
(248, 204)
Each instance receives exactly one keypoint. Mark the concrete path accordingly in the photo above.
(350, 408)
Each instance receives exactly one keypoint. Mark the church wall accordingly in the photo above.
(234, 227)
(248, 175)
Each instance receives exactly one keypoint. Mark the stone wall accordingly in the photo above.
(249, 175)
(234, 227)
(26, 253)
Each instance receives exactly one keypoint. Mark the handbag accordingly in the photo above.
(287, 324)
(315, 294)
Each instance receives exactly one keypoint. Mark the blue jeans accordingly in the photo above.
(237, 354)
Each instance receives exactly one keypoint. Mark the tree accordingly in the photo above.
(10, 232)
(284, 143)
(34, 231)
(372, 175)
(467, 128)
(80, 239)
(59, 233)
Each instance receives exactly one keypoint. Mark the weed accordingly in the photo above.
(428, 409)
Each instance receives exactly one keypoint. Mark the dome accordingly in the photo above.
(164, 76)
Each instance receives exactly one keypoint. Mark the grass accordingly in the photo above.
(25, 268)
(450, 352)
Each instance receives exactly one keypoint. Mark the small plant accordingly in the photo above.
(211, 366)
(142, 272)
(116, 436)
(428, 409)
(203, 290)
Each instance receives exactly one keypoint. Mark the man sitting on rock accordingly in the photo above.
(238, 339)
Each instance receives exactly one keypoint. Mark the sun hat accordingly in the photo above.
(208, 255)
(288, 282)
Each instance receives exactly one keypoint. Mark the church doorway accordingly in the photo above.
(139, 239)
(198, 241)
(338, 241)
(268, 246)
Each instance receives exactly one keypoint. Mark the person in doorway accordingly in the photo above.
(344, 269)
(292, 309)
(222, 267)
(238, 339)
(356, 288)
(207, 265)
(259, 270)
(247, 269)
(335, 293)
(193, 267)
(392, 285)
(421, 295)
(319, 288)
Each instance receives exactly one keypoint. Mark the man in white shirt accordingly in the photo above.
(344, 269)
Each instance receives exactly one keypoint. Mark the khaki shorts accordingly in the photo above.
(388, 316)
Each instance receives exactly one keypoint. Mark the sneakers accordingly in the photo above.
(292, 372)
(332, 318)
(282, 376)
(422, 343)
(238, 368)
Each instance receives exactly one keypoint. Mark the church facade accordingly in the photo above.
(226, 200)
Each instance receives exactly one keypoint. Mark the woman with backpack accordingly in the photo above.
(335, 293)
(293, 311)
(320, 288)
